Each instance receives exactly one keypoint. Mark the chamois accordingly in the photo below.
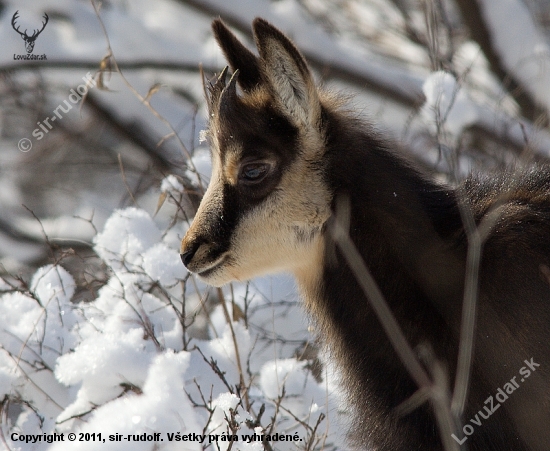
(285, 155)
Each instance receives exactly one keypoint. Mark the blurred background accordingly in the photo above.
(66, 162)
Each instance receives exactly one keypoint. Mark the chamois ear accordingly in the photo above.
(238, 56)
(286, 71)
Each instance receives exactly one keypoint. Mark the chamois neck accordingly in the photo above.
(395, 207)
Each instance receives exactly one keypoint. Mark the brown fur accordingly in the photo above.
(308, 153)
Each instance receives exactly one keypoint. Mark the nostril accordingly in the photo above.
(187, 256)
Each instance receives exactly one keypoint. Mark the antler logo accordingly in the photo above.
(29, 40)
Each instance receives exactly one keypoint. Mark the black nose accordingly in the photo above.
(189, 253)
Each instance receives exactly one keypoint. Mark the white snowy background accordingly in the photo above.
(102, 330)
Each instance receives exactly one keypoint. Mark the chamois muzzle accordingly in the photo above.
(188, 255)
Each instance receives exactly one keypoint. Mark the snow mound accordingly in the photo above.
(127, 235)
(162, 407)
(163, 265)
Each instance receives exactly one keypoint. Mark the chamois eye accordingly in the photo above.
(254, 172)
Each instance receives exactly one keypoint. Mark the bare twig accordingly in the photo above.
(400, 344)
(145, 100)
(236, 346)
(123, 174)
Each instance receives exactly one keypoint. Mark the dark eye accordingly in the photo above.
(254, 172)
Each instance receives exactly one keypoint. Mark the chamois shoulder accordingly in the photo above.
(521, 202)
(529, 186)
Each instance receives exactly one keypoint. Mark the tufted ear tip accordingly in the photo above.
(286, 71)
(220, 29)
(259, 23)
(238, 56)
(264, 31)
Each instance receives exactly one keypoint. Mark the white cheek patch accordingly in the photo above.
(273, 237)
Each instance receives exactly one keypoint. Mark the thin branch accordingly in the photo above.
(145, 100)
(363, 276)
(236, 346)
(473, 18)
(125, 180)
(137, 64)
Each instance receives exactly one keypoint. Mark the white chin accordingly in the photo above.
(216, 278)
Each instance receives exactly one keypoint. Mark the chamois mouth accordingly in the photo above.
(213, 267)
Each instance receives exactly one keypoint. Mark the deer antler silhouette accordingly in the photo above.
(29, 40)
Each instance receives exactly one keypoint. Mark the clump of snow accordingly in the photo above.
(37, 328)
(20, 316)
(171, 183)
(288, 379)
(282, 373)
(9, 373)
(223, 405)
(162, 407)
(163, 265)
(126, 325)
(124, 363)
(54, 287)
(127, 234)
(447, 104)
(226, 406)
(101, 365)
(223, 348)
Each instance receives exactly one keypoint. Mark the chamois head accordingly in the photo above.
(267, 201)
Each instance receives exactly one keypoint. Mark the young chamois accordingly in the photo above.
(285, 155)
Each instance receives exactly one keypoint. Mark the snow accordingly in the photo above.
(222, 405)
(162, 407)
(98, 359)
(36, 329)
(54, 287)
(117, 364)
(163, 264)
(481, 83)
(138, 233)
(289, 380)
(100, 364)
(9, 373)
(225, 406)
(178, 34)
(200, 166)
(171, 183)
(315, 43)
